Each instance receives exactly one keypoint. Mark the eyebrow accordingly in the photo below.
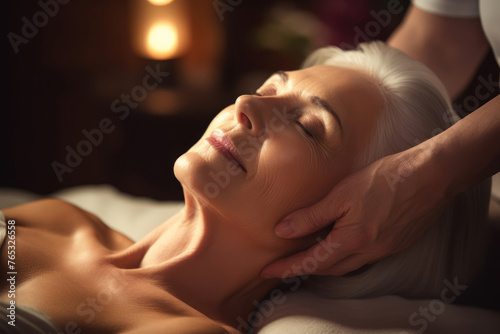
(314, 99)
(282, 75)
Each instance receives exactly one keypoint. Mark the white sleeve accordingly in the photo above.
(450, 8)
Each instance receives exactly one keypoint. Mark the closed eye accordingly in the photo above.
(306, 131)
(301, 126)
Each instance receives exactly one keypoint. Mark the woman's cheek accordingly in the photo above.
(309, 175)
(289, 151)
(287, 165)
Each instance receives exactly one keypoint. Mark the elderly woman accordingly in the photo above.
(268, 154)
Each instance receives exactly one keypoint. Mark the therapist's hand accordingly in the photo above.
(377, 211)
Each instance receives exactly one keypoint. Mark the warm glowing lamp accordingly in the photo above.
(160, 2)
(162, 41)
(160, 28)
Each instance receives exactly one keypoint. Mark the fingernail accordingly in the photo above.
(283, 229)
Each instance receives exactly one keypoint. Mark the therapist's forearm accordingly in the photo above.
(452, 48)
(469, 151)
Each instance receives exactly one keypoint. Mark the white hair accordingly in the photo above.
(416, 107)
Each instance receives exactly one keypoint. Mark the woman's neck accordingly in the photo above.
(205, 261)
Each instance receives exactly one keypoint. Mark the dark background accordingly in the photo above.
(64, 80)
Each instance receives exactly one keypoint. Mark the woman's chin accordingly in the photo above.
(185, 167)
(192, 171)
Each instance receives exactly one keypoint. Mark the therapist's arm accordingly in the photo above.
(469, 151)
(453, 48)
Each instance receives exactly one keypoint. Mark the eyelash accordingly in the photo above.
(306, 131)
(255, 93)
(301, 126)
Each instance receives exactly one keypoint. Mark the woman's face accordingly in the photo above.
(283, 148)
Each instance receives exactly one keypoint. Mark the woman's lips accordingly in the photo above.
(226, 147)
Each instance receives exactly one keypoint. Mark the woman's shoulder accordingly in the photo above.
(48, 213)
(183, 325)
(61, 217)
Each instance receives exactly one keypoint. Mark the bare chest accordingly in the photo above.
(69, 278)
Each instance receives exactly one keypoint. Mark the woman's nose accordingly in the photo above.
(251, 113)
(242, 112)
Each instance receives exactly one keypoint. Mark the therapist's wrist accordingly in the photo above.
(442, 160)
(430, 172)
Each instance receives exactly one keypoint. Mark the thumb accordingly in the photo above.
(311, 219)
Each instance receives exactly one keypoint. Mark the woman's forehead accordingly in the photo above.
(350, 90)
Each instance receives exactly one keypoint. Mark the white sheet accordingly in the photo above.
(304, 312)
